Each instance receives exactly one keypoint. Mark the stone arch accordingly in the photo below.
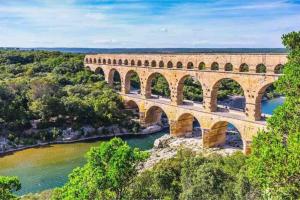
(169, 64)
(126, 62)
(114, 62)
(180, 88)
(111, 79)
(86, 60)
(104, 61)
(201, 66)
(91, 60)
(278, 69)
(109, 61)
(95, 60)
(88, 68)
(184, 125)
(258, 100)
(261, 68)
(153, 115)
(161, 64)
(146, 63)
(153, 63)
(214, 66)
(244, 68)
(216, 135)
(139, 63)
(150, 78)
(100, 71)
(214, 95)
(120, 62)
(127, 81)
(132, 63)
(99, 61)
(179, 65)
(228, 67)
(190, 65)
(134, 107)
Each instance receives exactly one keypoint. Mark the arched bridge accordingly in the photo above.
(254, 73)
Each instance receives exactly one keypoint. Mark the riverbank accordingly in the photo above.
(146, 131)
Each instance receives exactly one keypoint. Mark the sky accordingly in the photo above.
(147, 23)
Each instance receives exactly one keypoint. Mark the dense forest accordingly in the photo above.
(51, 91)
(271, 171)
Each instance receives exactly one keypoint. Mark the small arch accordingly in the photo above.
(95, 60)
(134, 108)
(139, 63)
(132, 63)
(190, 65)
(161, 64)
(179, 65)
(91, 60)
(120, 62)
(187, 125)
(109, 61)
(153, 63)
(170, 64)
(279, 69)
(214, 66)
(261, 68)
(86, 60)
(104, 62)
(228, 67)
(88, 68)
(146, 63)
(126, 62)
(99, 71)
(99, 60)
(114, 61)
(201, 66)
(244, 68)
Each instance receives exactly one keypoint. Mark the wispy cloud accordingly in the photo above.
(146, 23)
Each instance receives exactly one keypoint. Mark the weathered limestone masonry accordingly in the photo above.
(254, 72)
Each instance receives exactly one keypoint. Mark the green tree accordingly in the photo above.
(109, 171)
(8, 185)
(274, 165)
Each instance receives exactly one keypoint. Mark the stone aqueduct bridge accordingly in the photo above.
(254, 73)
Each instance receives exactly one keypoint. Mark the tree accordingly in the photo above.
(8, 185)
(274, 165)
(109, 171)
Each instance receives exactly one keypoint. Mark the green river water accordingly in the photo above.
(48, 167)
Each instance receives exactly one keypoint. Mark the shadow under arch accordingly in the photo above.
(224, 134)
(150, 89)
(134, 108)
(100, 71)
(132, 82)
(187, 125)
(114, 79)
(155, 115)
(189, 90)
(227, 94)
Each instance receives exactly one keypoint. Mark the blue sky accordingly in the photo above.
(146, 23)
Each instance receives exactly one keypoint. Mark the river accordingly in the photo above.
(47, 167)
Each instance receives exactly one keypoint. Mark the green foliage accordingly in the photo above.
(274, 163)
(109, 171)
(8, 185)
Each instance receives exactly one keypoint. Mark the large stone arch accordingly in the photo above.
(214, 91)
(183, 125)
(128, 75)
(153, 115)
(180, 85)
(110, 77)
(149, 82)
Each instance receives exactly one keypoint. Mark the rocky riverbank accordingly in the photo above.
(167, 147)
(71, 136)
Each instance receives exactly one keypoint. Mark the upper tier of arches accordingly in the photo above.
(238, 63)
